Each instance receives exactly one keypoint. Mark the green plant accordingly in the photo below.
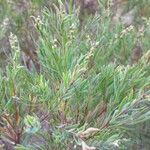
(92, 92)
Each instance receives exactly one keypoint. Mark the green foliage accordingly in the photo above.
(87, 80)
(32, 124)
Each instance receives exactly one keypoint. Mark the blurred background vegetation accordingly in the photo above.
(74, 75)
